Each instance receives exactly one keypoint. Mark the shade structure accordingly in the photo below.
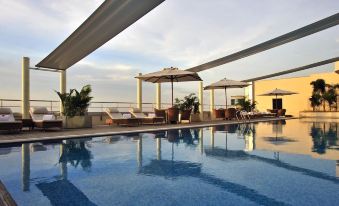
(302, 32)
(277, 92)
(111, 18)
(225, 84)
(170, 75)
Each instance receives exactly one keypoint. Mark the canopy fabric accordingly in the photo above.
(226, 83)
(277, 92)
(289, 71)
(170, 74)
(302, 32)
(111, 18)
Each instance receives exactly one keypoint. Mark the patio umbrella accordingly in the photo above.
(170, 75)
(225, 84)
(277, 92)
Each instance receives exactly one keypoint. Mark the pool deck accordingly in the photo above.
(105, 130)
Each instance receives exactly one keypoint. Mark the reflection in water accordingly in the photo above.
(63, 192)
(324, 136)
(139, 151)
(158, 148)
(25, 166)
(212, 136)
(63, 165)
(239, 150)
(201, 140)
(75, 153)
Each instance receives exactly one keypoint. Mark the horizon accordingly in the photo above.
(186, 39)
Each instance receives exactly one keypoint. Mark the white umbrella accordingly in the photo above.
(225, 84)
(277, 92)
(170, 75)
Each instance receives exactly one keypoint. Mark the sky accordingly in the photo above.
(178, 33)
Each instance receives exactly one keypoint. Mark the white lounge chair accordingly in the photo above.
(7, 120)
(44, 119)
(135, 112)
(119, 119)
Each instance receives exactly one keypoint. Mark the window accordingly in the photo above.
(277, 103)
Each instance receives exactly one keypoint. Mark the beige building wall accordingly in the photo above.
(293, 103)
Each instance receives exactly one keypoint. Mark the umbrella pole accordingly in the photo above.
(276, 101)
(226, 97)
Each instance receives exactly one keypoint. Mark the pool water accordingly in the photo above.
(293, 162)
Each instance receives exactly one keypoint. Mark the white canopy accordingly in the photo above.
(277, 92)
(227, 83)
(112, 17)
(170, 75)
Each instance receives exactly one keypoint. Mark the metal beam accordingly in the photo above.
(309, 66)
(280, 40)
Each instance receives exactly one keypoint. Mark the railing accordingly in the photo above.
(96, 106)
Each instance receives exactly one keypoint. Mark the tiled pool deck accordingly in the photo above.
(104, 130)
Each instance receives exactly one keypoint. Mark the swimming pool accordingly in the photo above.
(293, 162)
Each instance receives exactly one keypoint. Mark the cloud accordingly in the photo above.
(176, 33)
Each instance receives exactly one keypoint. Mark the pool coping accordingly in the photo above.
(5, 197)
(141, 130)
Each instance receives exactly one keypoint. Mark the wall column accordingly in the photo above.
(63, 86)
(201, 100)
(139, 93)
(212, 103)
(25, 96)
(253, 92)
(158, 95)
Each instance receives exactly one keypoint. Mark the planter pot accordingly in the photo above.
(77, 122)
(195, 117)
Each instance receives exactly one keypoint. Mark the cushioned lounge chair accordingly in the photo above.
(121, 120)
(44, 119)
(136, 113)
(7, 121)
(231, 114)
(160, 113)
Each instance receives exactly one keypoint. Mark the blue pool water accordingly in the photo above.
(293, 162)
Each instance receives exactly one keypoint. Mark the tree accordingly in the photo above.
(315, 100)
(246, 104)
(74, 102)
(319, 86)
(330, 96)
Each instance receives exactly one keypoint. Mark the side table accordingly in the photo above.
(28, 123)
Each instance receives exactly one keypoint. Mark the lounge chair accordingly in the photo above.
(7, 120)
(281, 112)
(160, 113)
(119, 119)
(231, 113)
(44, 119)
(219, 113)
(136, 113)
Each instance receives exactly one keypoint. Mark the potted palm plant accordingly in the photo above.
(75, 105)
(189, 107)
